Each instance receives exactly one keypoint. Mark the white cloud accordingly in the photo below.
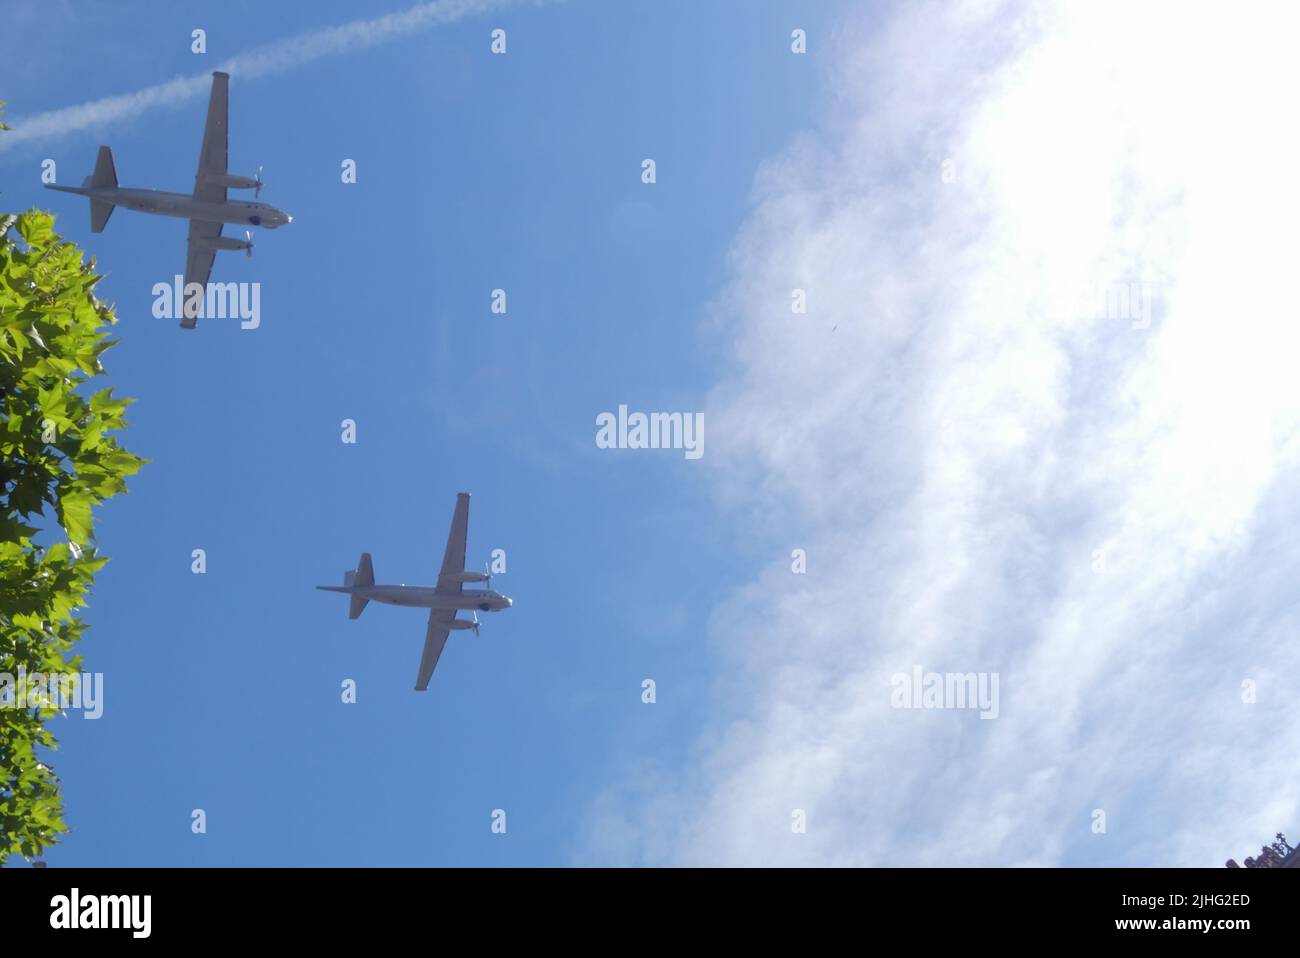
(986, 478)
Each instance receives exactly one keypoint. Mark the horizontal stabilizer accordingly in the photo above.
(365, 575)
(356, 606)
(104, 177)
(99, 214)
(105, 171)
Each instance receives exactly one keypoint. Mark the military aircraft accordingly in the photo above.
(443, 600)
(207, 208)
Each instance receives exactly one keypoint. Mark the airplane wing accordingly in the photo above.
(212, 157)
(453, 560)
(434, 639)
(198, 264)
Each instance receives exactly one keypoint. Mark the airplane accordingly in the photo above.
(443, 600)
(207, 208)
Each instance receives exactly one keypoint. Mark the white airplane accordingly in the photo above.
(443, 600)
(207, 208)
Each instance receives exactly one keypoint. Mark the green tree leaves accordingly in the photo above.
(58, 460)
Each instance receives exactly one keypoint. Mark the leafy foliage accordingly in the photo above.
(57, 461)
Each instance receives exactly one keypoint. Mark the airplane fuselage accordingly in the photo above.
(185, 206)
(426, 597)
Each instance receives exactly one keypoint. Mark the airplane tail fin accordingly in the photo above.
(364, 575)
(105, 175)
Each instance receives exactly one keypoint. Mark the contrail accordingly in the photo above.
(260, 61)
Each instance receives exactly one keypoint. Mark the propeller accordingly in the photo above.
(476, 635)
(487, 571)
(248, 238)
(257, 189)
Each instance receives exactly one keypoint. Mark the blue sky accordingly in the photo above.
(1039, 423)
(474, 172)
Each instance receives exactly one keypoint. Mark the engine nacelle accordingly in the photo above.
(460, 625)
(469, 577)
(224, 242)
(231, 181)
